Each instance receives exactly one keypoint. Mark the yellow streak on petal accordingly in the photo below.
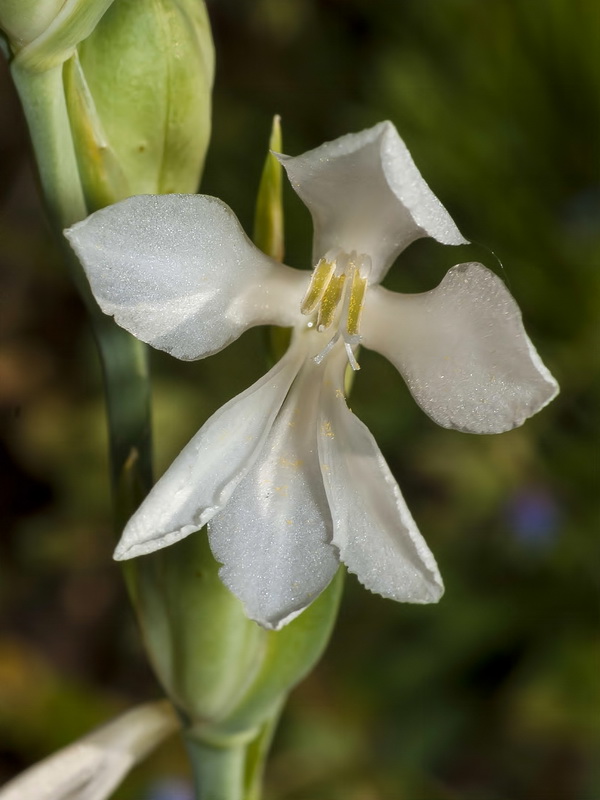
(327, 430)
(291, 463)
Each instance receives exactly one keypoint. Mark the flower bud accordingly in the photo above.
(116, 93)
(138, 96)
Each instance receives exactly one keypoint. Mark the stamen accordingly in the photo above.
(351, 357)
(336, 293)
(361, 268)
(330, 301)
(318, 359)
(355, 302)
(317, 286)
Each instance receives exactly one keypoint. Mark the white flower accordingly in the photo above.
(289, 480)
(92, 767)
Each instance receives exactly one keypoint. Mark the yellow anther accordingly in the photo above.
(317, 286)
(330, 301)
(355, 302)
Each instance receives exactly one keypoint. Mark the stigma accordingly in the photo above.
(335, 297)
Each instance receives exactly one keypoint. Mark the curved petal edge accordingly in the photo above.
(365, 194)
(373, 529)
(462, 350)
(273, 537)
(179, 273)
(204, 475)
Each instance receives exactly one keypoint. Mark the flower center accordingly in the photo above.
(335, 297)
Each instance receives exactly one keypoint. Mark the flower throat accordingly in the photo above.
(335, 295)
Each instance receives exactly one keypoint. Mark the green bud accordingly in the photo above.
(116, 93)
(138, 94)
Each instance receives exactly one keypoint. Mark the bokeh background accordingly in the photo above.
(494, 693)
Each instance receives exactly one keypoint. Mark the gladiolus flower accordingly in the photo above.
(289, 481)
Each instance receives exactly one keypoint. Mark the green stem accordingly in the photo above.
(123, 358)
(257, 753)
(43, 100)
(218, 771)
(127, 389)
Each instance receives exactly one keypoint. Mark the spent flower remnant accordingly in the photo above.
(92, 767)
(289, 481)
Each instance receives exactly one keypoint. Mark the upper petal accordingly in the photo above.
(91, 768)
(462, 350)
(201, 479)
(273, 536)
(376, 535)
(179, 272)
(366, 194)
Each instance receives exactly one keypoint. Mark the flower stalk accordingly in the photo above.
(218, 771)
(229, 677)
(123, 358)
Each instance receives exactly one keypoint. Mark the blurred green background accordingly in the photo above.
(494, 694)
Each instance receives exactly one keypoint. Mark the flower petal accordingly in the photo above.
(365, 194)
(203, 476)
(179, 273)
(462, 350)
(376, 535)
(273, 535)
(91, 768)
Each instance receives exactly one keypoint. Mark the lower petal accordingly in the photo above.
(463, 351)
(201, 479)
(273, 536)
(376, 535)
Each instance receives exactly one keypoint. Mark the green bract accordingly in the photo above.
(24, 20)
(226, 674)
(44, 33)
